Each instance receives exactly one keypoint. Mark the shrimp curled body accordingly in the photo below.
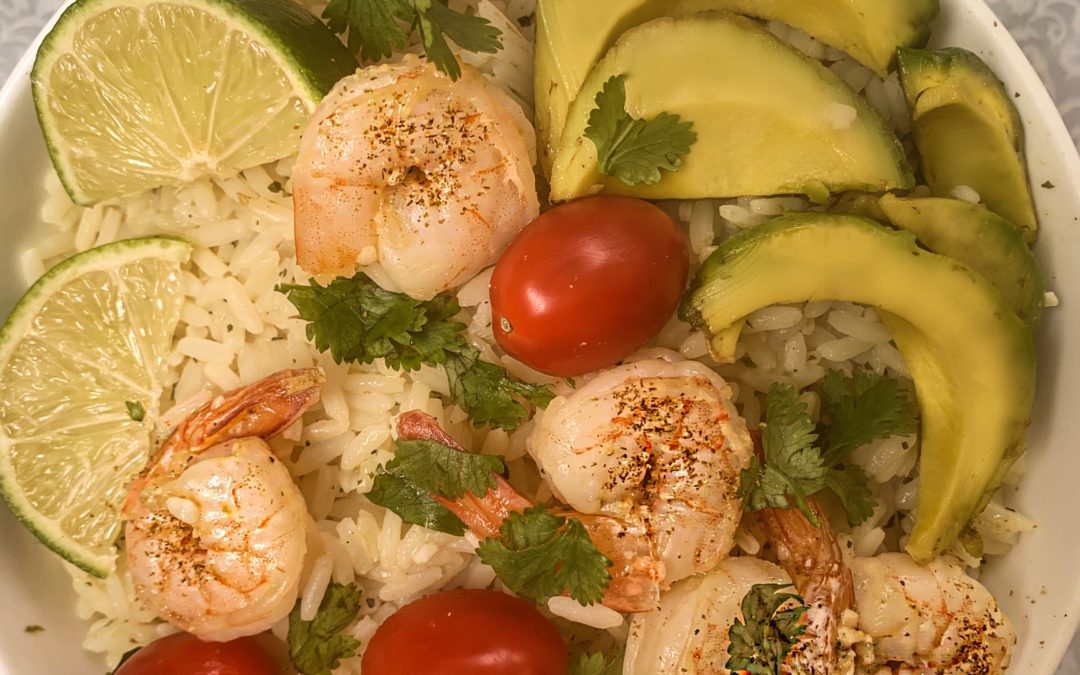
(216, 527)
(655, 441)
(429, 178)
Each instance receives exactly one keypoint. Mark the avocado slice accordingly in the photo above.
(972, 358)
(979, 238)
(870, 31)
(968, 131)
(572, 35)
(764, 114)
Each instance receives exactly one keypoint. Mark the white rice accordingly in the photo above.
(235, 329)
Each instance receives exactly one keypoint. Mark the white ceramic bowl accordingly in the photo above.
(1038, 584)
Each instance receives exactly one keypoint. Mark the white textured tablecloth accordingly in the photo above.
(1048, 31)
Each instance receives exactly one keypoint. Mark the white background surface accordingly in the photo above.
(1047, 30)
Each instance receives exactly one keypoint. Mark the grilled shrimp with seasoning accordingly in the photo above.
(215, 531)
(933, 619)
(657, 442)
(635, 574)
(429, 178)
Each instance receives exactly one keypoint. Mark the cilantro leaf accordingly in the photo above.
(377, 27)
(420, 471)
(760, 645)
(413, 504)
(862, 409)
(357, 321)
(488, 394)
(541, 555)
(135, 410)
(372, 25)
(446, 471)
(851, 486)
(597, 664)
(635, 150)
(316, 647)
(793, 466)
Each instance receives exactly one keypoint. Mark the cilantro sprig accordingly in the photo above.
(541, 555)
(407, 485)
(317, 647)
(793, 465)
(597, 663)
(857, 410)
(357, 321)
(377, 27)
(760, 645)
(538, 555)
(635, 150)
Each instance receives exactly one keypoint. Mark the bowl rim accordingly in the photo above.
(1054, 646)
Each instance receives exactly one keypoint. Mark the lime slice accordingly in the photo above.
(136, 94)
(82, 359)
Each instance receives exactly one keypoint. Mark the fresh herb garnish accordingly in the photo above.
(863, 409)
(135, 410)
(407, 485)
(635, 150)
(377, 27)
(541, 555)
(793, 465)
(857, 410)
(358, 322)
(760, 645)
(597, 664)
(317, 647)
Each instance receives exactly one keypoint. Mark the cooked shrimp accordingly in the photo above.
(403, 167)
(688, 632)
(813, 559)
(656, 441)
(635, 571)
(216, 526)
(932, 619)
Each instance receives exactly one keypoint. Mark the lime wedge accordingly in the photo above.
(136, 94)
(82, 359)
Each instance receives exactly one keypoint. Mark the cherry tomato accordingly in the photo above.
(474, 632)
(183, 654)
(587, 283)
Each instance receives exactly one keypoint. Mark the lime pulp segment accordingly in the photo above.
(91, 336)
(136, 94)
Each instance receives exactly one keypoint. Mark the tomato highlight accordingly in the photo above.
(588, 283)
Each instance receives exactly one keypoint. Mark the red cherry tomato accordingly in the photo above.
(183, 654)
(474, 632)
(587, 283)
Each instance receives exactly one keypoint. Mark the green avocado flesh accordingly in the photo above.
(768, 119)
(979, 238)
(968, 131)
(972, 358)
(572, 35)
(870, 31)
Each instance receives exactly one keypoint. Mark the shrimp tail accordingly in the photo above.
(812, 557)
(636, 572)
(262, 409)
